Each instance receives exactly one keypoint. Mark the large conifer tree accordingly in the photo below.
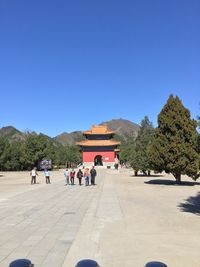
(174, 149)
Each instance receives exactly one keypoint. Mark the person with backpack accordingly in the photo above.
(72, 175)
(79, 176)
(93, 174)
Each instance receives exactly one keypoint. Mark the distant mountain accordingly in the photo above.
(11, 133)
(14, 134)
(69, 138)
(123, 129)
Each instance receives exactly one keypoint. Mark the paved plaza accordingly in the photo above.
(122, 221)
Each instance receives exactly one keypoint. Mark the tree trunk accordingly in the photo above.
(149, 173)
(145, 173)
(178, 178)
(136, 173)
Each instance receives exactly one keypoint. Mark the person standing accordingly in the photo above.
(86, 176)
(33, 174)
(116, 163)
(79, 176)
(47, 176)
(66, 174)
(72, 175)
(93, 174)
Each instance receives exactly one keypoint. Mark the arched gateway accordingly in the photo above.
(99, 149)
(98, 161)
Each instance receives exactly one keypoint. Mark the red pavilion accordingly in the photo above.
(99, 149)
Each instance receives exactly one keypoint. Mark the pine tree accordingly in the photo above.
(140, 159)
(174, 149)
(127, 151)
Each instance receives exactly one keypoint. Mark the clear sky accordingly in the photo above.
(68, 64)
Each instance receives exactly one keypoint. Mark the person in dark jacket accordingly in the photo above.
(93, 174)
(79, 175)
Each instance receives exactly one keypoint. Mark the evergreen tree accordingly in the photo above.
(73, 154)
(198, 138)
(127, 151)
(4, 153)
(174, 148)
(198, 143)
(29, 156)
(140, 159)
(13, 158)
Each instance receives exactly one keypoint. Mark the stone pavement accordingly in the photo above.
(121, 221)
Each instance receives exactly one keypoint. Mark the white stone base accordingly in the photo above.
(105, 165)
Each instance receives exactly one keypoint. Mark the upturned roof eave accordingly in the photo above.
(88, 143)
(97, 133)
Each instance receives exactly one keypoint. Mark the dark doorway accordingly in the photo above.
(98, 161)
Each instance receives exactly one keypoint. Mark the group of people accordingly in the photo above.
(34, 174)
(70, 174)
(86, 173)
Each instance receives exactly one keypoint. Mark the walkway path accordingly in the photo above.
(122, 221)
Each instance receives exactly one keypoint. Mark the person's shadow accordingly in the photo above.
(191, 204)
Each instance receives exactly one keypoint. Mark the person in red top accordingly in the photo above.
(72, 175)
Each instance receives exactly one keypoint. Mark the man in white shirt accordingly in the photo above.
(67, 174)
(33, 174)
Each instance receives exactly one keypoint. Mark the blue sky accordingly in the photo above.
(65, 65)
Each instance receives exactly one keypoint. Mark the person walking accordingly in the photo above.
(93, 174)
(33, 175)
(47, 176)
(79, 176)
(72, 175)
(67, 174)
(86, 176)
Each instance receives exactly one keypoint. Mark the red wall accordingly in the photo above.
(106, 156)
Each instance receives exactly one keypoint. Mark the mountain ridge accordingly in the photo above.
(12, 133)
(123, 129)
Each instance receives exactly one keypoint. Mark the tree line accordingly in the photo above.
(173, 147)
(25, 154)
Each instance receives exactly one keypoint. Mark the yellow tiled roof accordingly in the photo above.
(98, 143)
(100, 129)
